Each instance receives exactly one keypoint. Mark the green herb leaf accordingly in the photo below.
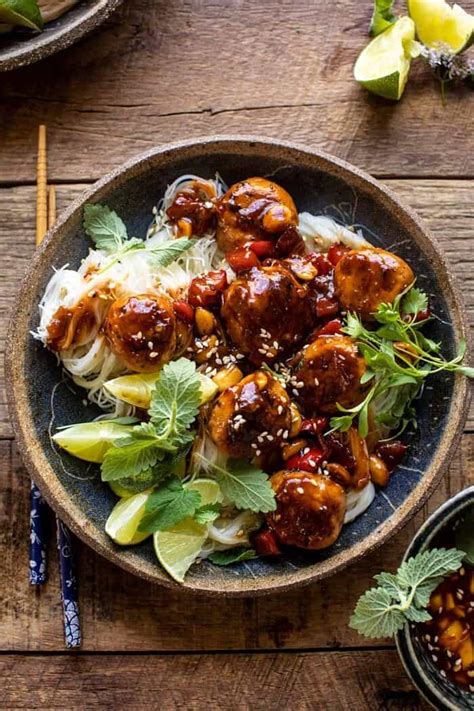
(175, 400)
(169, 505)
(164, 253)
(383, 610)
(207, 513)
(382, 17)
(131, 455)
(244, 485)
(414, 301)
(104, 227)
(233, 555)
(25, 13)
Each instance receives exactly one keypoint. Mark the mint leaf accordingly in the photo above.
(414, 301)
(382, 17)
(164, 253)
(25, 13)
(104, 227)
(131, 455)
(175, 400)
(402, 597)
(233, 555)
(207, 513)
(246, 486)
(376, 616)
(431, 565)
(169, 505)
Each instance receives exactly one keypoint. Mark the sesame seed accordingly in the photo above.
(434, 657)
(443, 673)
(462, 571)
(285, 434)
(449, 653)
(316, 381)
(262, 351)
(218, 361)
(240, 533)
(300, 490)
(150, 345)
(258, 452)
(280, 409)
(279, 433)
(270, 438)
(276, 345)
(153, 354)
(139, 334)
(239, 356)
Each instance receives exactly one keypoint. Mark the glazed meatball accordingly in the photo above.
(366, 278)
(310, 509)
(252, 417)
(254, 209)
(328, 372)
(193, 210)
(144, 332)
(266, 313)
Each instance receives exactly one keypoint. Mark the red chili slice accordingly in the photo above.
(242, 259)
(308, 462)
(265, 543)
(322, 263)
(184, 311)
(206, 290)
(326, 306)
(330, 328)
(391, 453)
(336, 252)
(263, 248)
(315, 425)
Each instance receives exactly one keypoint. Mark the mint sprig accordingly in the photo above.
(174, 406)
(244, 485)
(169, 505)
(109, 234)
(402, 597)
(233, 555)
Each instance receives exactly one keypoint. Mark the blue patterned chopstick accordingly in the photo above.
(38, 527)
(69, 597)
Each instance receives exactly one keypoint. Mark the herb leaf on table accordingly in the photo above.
(403, 596)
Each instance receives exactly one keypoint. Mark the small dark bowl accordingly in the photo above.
(319, 183)
(438, 691)
(20, 47)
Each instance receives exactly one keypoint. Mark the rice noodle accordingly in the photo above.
(321, 232)
(359, 501)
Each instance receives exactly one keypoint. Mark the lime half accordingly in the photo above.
(90, 440)
(383, 66)
(136, 389)
(178, 547)
(439, 24)
(122, 524)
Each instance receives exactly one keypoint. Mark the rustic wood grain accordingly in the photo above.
(163, 71)
(446, 205)
(328, 682)
(121, 613)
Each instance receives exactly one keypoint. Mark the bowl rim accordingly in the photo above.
(448, 510)
(42, 472)
(21, 54)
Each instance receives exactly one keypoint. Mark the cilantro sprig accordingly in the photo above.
(403, 597)
(398, 358)
(109, 234)
(155, 446)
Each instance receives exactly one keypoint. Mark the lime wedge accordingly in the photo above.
(178, 547)
(439, 24)
(125, 518)
(383, 66)
(90, 440)
(120, 490)
(136, 389)
(21, 12)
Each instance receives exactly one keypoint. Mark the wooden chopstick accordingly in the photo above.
(45, 219)
(41, 187)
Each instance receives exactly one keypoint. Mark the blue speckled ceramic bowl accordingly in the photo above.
(320, 184)
(438, 691)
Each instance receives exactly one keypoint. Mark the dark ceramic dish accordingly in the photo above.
(21, 47)
(438, 691)
(320, 184)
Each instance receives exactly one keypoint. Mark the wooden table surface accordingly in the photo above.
(160, 71)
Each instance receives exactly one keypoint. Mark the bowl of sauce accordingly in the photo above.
(438, 654)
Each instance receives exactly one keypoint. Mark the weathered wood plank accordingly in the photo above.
(327, 681)
(447, 207)
(121, 613)
(164, 71)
